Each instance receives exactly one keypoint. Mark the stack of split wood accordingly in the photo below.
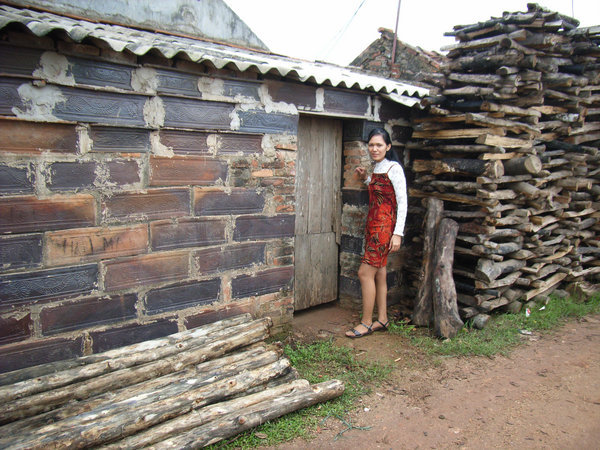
(189, 389)
(511, 146)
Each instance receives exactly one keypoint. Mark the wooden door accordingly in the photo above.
(318, 211)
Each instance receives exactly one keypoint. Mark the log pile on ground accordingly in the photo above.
(189, 389)
(511, 145)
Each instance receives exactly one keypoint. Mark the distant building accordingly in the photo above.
(410, 63)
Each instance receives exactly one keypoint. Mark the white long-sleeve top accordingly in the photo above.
(396, 176)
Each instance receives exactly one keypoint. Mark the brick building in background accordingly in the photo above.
(152, 182)
(410, 63)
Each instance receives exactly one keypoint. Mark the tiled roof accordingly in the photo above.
(120, 38)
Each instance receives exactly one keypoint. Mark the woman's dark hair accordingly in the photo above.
(391, 154)
(380, 132)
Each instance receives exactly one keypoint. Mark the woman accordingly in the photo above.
(384, 231)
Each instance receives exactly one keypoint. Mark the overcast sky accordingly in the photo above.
(312, 29)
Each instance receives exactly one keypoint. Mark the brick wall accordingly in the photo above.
(141, 196)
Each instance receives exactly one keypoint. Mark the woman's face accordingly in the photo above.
(378, 148)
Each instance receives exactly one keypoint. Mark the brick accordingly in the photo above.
(145, 270)
(189, 113)
(94, 244)
(231, 257)
(184, 142)
(167, 235)
(346, 102)
(356, 197)
(358, 130)
(115, 139)
(13, 329)
(109, 108)
(240, 143)
(183, 296)
(241, 88)
(300, 95)
(265, 282)
(263, 122)
(26, 214)
(123, 172)
(178, 83)
(351, 244)
(72, 175)
(35, 137)
(18, 252)
(9, 96)
(33, 287)
(179, 170)
(209, 202)
(87, 312)
(149, 205)
(131, 334)
(100, 73)
(19, 60)
(19, 356)
(16, 180)
(260, 227)
(211, 316)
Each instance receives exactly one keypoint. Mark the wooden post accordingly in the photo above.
(446, 319)
(423, 308)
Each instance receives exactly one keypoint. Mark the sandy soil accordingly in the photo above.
(546, 394)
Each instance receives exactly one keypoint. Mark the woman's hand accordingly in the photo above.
(395, 243)
(361, 172)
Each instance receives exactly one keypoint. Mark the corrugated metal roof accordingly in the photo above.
(139, 42)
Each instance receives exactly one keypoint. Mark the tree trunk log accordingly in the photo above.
(236, 337)
(241, 420)
(423, 309)
(447, 321)
(126, 418)
(474, 167)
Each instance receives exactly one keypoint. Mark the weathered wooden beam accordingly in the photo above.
(423, 308)
(447, 322)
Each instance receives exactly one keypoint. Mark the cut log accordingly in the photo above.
(236, 337)
(236, 421)
(447, 322)
(506, 142)
(488, 270)
(474, 167)
(521, 166)
(547, 285)
(458, 133)
(423, 308)
(92, 428)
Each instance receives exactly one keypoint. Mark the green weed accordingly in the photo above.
(503, 331)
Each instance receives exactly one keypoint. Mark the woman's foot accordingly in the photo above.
(359, 331)
(378, 325)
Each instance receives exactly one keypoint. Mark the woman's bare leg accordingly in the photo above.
(366, 275)
(381, 295)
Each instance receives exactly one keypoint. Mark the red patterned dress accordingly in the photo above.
(381, 220)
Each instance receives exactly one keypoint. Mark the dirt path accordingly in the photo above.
(545, 395)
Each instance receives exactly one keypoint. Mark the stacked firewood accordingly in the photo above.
(189, 389)
(511, 146)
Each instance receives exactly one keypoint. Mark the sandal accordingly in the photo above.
(383, 327)
(358, 334)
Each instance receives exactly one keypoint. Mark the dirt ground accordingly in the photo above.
(546, 394)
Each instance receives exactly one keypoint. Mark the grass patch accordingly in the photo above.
(316, 362)
(503, 331)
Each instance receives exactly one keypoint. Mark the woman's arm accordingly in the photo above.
(396, 175)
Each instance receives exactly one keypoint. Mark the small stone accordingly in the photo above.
(441, 416)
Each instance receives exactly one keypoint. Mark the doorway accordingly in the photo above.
(318, 211)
